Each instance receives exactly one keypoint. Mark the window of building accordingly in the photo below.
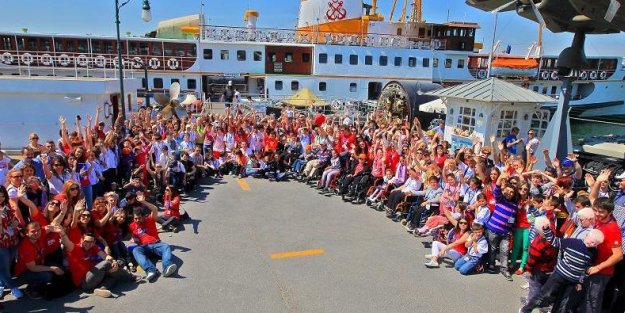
(241, 55)
(157, 83)
(288, 57)
(507, 120)
(466, 120)
(434, 62)
(535, 88)
(353, 59)
(460, 63)
(258, 55)
(225, 54)
(191, 84)
(383, 60)
(323, 86)
(338, 59)
(353, 87)
(208, 54)
(554, 90)
(323, 58)
(294, 85)
(397, 61)
(412, 62)
(426, 62)
(143, 83)
(174, 80)
(278, 85)
(448, 63)
(540, 121)
(272, 57)
(305, 57)
(368, 60)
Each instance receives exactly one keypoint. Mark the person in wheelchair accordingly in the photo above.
(418, 213)
(330, 172)
(348, 185)
(404, 194)
(321, 159)
(380, 191)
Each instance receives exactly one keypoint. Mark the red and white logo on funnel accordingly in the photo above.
(336, 12)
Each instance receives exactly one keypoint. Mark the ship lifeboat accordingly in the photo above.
(511, 66)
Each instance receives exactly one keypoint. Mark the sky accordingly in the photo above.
(80, 17)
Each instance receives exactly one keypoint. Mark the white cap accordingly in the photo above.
(229, 83)
(621, 176)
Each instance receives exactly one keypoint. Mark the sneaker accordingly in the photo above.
(17, 293)
(138, 279)
(519, 272)
(151, 277)
(432, 264)
(507, 275)
(368, 202)
(404, 221)
(428, 256)
(409, 227)
(525, 286)
(132, 268)
(170, 270)
(102, 292)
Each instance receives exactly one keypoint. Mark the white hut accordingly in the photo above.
(491, 107)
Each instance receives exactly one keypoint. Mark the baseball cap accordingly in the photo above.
(620, 176)
(568, 162)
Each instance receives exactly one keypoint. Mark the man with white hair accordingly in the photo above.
(570, 270)
(542, 257)
(228, 95)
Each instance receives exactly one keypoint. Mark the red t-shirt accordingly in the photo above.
(320, 119)
(81, 261)
(75, 234)
(521, 218)
(112, 233)
(612, 239)
(49, 241)
(146, 232)
(172, 207)
(28, 252)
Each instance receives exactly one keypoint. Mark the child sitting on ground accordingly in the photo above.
(436, 221)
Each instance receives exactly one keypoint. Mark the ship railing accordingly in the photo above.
(271, 35)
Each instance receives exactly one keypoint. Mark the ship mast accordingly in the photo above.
(417, 12)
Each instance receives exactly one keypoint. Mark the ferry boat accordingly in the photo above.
(339, 50)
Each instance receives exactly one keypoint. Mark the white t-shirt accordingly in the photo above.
(4, 169)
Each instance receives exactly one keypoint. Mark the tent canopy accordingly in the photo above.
(304, 98)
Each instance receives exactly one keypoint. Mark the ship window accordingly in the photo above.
(191, 84)
(397, 61)
(180, 51)
(507, 121)
(108, 47)
(258, 56)
(6, 43)
(144, 47)
(288, 57)
(323, 86)
(535, 88)
(208, 54)
(412, 62)
(294, 85)
(157, 49)
(338, 59)
(305, 57)
(278, 85)
(460, 63)
(46, 45)
(466, 121)
(192, 52)
(32, 44)
(157, 83)
(470, 32)
(448, 63)
(368, 60)
(383, 60)
(96, 47)
(169, 49)
(69, 46)
(426, 62)
(241, 55)
(143, 83)
(434, 62)
(174, 80)
(273, 57)
(353, 59)
(540, 121)
(323, 58)
(133, 48)
(225, 54)
(353, 87)
(82, 46)
(554, 90)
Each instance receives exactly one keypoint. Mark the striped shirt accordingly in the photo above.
(619, 216)
(502, 219)
(575, 257)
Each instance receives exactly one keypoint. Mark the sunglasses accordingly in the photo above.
(55, 203)
(58, 164)
(17, 176)
(463, 223)
(85, 215)
(73, 188)
(88, 241)
(34, 138)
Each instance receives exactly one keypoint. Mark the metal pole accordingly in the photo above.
(562, 149)
(120, 63)
(147, 85)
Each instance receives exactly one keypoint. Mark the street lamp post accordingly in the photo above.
(146, 15)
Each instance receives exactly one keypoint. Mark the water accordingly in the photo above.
(596, 132)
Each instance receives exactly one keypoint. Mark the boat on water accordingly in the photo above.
(339, 50)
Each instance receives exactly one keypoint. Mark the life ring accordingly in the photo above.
(138, 63)
(583, 75)
(81, 60)
(544, 75)
(554, 75)
(603, 75)
(481, 74)
(64, 59)
(154, 63)
(436, 44)
(172, 63)
(100, 61)
(27, 58)
(46, 59)
(7, 58)
(593, 75)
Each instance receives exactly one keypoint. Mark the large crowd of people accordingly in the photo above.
(69, 204)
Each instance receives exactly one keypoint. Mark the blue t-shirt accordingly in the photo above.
(510, 138)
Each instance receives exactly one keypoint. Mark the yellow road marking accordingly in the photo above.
(296, 254)
(243, 184)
